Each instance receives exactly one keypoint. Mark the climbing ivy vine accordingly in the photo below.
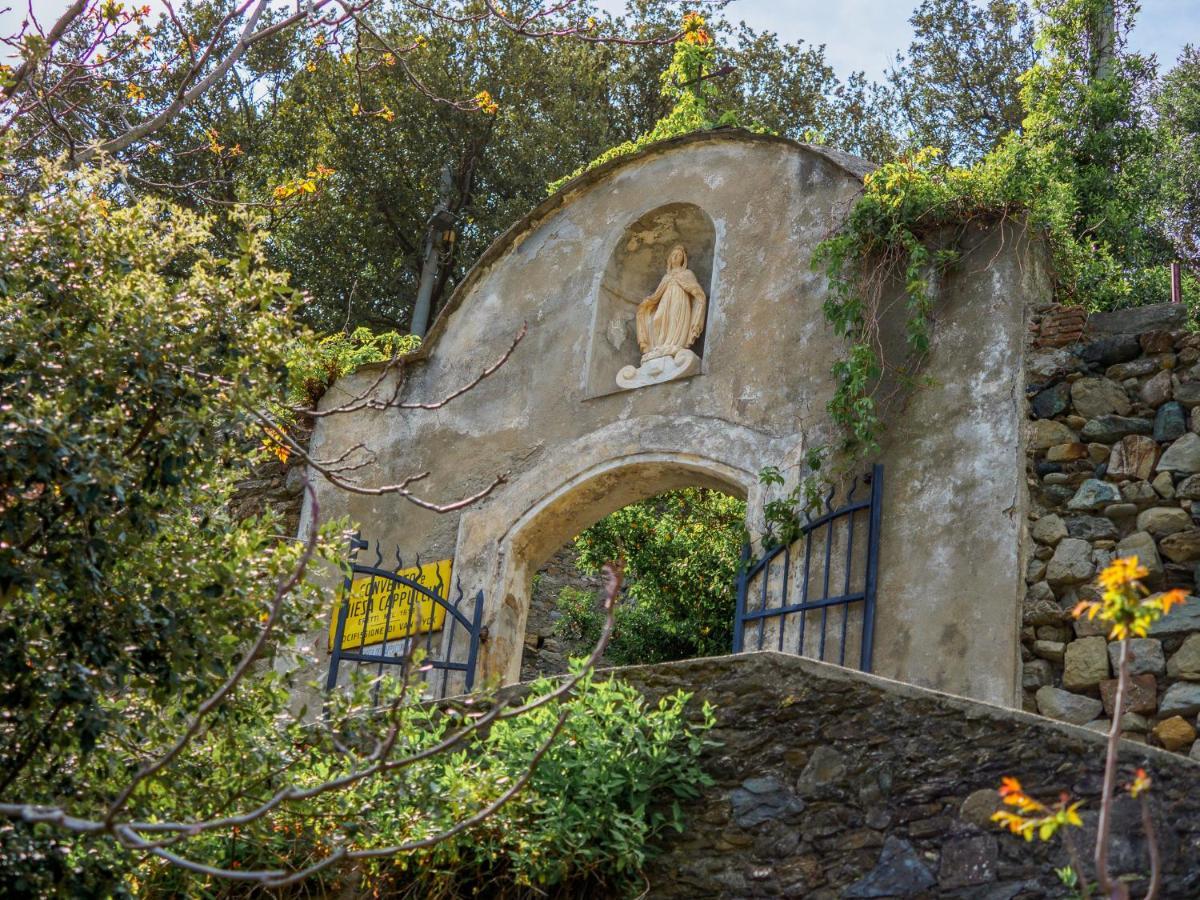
(1070, 175)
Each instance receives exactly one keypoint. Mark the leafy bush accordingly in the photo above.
(132, 362)
(607, 787)
(314, 365)
(681, 550)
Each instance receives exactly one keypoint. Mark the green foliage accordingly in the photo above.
(686, 84)
(608, 786)
(313, 367)
(131, 359)
(681, 550)
(581, 620)
(1079, 174)
(781, 516)
(1177, 104)
(959, 85)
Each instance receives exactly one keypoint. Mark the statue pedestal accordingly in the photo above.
(656, 371)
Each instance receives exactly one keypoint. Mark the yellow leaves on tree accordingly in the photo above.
(299, 187)
(694, 31)
(485, 103)
(1127, 605)
(134, 92)
(1034, 818)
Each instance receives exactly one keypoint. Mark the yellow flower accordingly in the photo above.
(1122, 572)
(484, 101)
(133, 92)
(386, 114)
(1141, 782)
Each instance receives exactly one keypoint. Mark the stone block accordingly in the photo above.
(1048, 530)
(1093, 494)
(1051, 402)
(1157, 390)
(1137, 320)
(1110, 429)
(760, 800)
(1185, 662)
(1170, 423)
(1046, 433)
(1175, 733)
(967, 862)
(1181, 699)
(1139, 493)
(1065, 706)
(1145, 656)
(1035, 674)
(1092, 528)
(1189, 488)
(1070, 452)
(1141, 544)
(1093, 397)
(1188, 394)
(1161, 521)
(1182, 546)
(1180, 620)
(1041, 607)
(1071, 563)
(1141, 696)
(900, 872)
(1047, 650)
(1160, 341)
(1183, 456)
(1164, 485)
(1085, 663)
(1133, 456)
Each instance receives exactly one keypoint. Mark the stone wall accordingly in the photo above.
(831, 783)
(276, 486)
(545, 652)
(1114, 469)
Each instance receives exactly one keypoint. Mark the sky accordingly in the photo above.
(857, 34)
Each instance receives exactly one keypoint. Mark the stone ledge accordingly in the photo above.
(833, 783)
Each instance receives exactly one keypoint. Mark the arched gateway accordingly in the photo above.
(645, 370)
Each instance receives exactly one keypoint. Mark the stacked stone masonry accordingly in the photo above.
(834, 784)
(1061, 327)
(1114, 470)
(276, 486)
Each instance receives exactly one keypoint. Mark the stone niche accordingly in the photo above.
(634, 269)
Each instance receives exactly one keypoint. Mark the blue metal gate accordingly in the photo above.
(784, 600)
(389, 594)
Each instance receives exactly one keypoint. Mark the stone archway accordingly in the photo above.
(560, 446)
(504, 544)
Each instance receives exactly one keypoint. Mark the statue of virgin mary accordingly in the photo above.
(668, 322)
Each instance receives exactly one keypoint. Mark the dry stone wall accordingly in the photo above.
(545, 652)
(1114, 470)
(834, 784)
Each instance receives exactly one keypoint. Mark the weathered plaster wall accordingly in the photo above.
(834, 784)
(949, 595)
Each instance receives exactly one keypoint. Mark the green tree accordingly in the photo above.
(681, 551)
(1178, 106)
(1087, 103)
(129, 359)
(959, 86)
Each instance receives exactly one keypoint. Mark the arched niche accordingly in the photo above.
(635, 266)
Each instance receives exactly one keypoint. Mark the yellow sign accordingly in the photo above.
(411, 612)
